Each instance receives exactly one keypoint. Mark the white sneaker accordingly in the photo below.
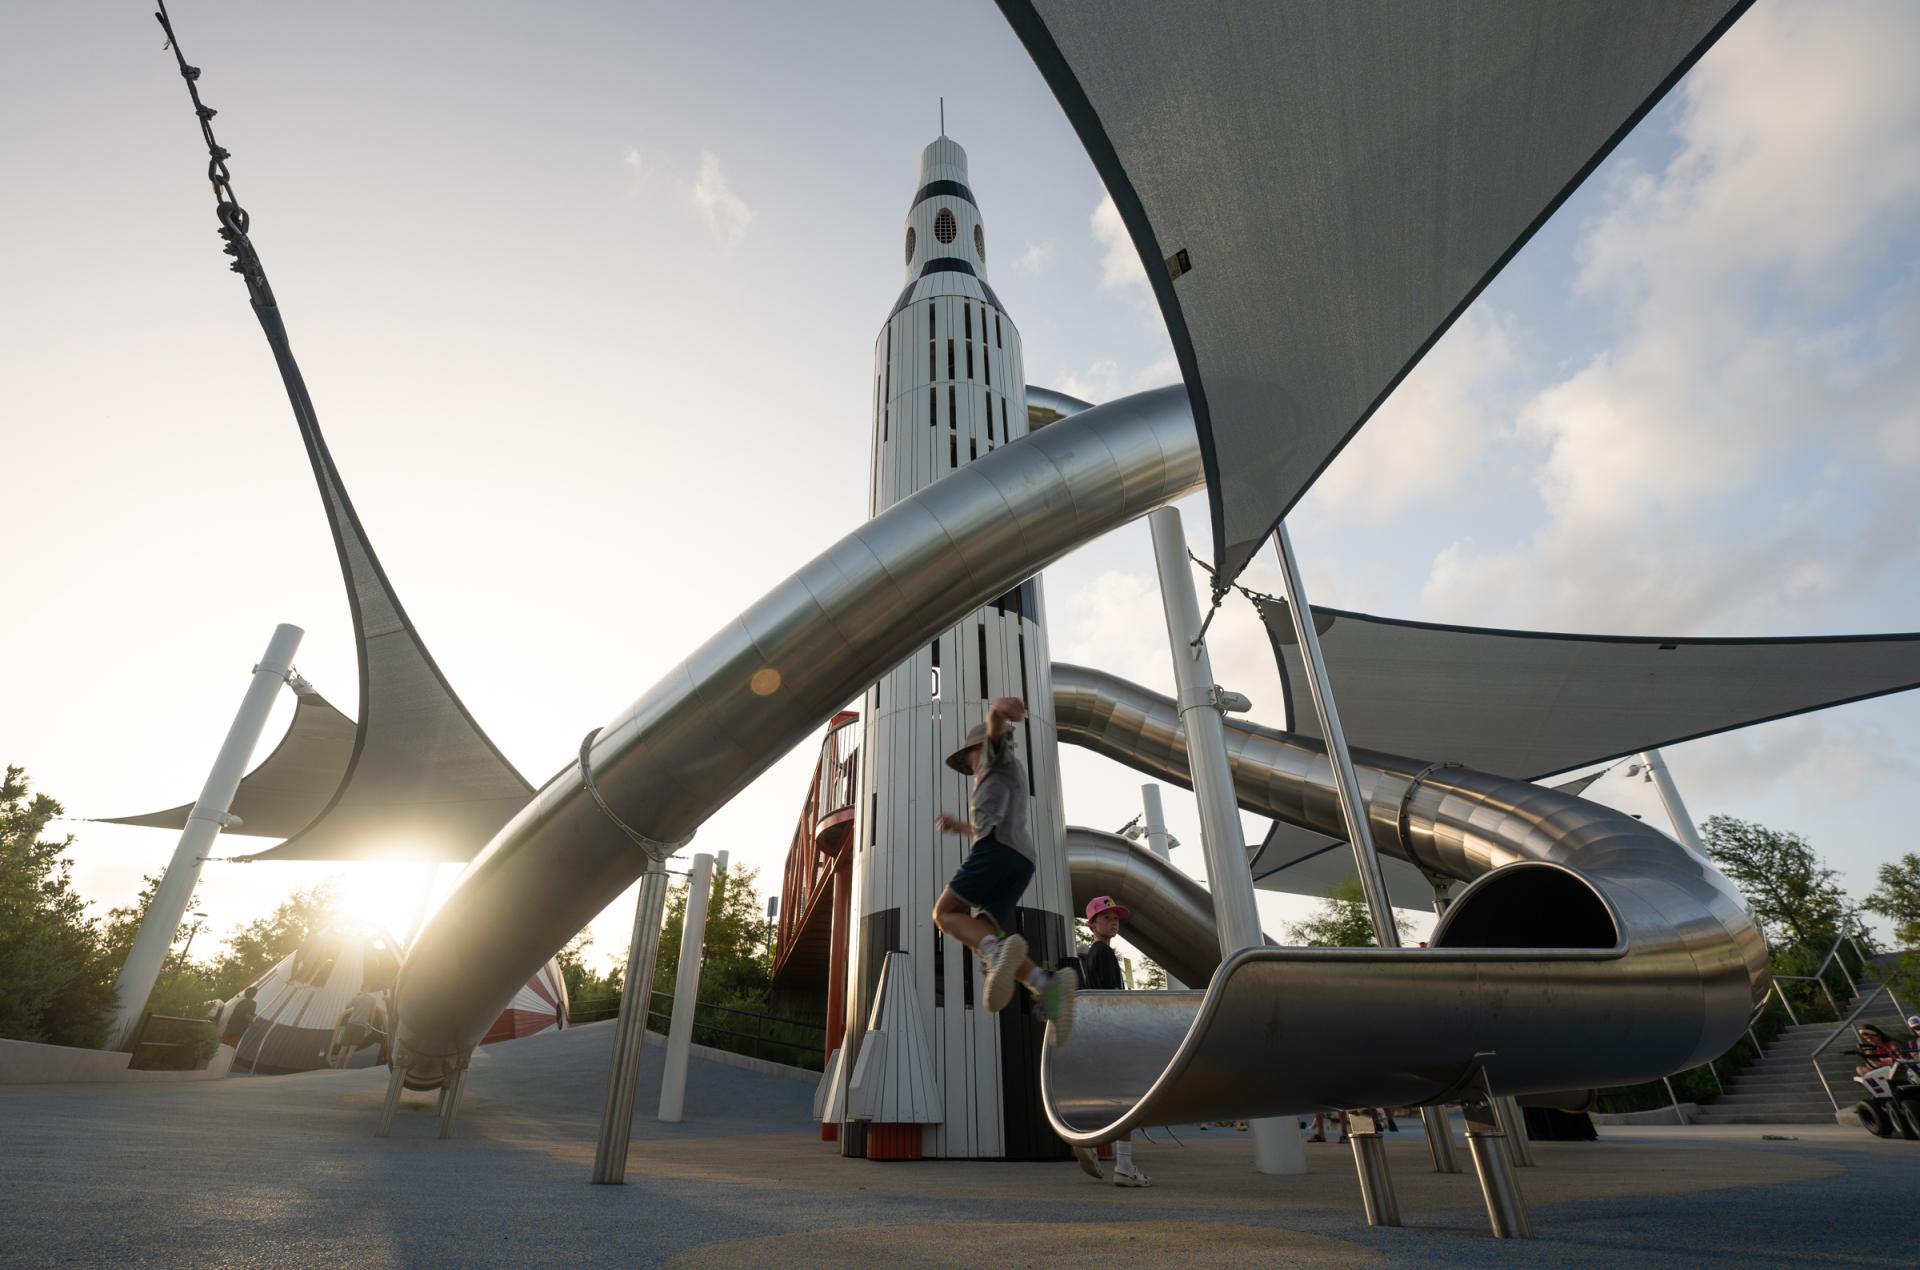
(1007, 956)
(1089, 1163)
(1128, 1175)
(1056, 1002)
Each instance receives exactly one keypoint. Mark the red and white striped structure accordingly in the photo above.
(539, 1005)
(299, 1003)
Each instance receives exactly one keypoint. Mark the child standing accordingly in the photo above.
(997, 870)
(1104, 915)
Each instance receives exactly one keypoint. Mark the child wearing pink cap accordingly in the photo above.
(1101, 969)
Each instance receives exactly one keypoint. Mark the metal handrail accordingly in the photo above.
(1844, 1025)
(833, 789)
(1849, 936)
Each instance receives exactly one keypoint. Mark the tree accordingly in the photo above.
(737, 964)
(257, 947)
(182, 988)
(56, 983)
(1897, 899)
(1343, 921)
(1791, 891)
(583, 984)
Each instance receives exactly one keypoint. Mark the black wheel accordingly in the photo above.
(1906, 1109)
(1873, 1119)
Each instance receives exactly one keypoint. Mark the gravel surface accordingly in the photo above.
(285, 1171)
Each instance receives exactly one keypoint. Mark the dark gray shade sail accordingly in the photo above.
(1528, 704)
(291, 786)
(1318, 188)
(423, 781)
(418, 779)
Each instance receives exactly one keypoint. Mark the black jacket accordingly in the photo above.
(1100, 968)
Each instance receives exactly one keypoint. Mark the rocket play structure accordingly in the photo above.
(1579, 947)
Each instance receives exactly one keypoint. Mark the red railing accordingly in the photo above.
(815, 849)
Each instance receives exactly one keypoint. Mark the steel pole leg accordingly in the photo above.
(1513, 1126)
(1506, 1207)
(450, 1098)
(636, 995)
(1439, 1139)
(396, 1082)
(1370, 1162)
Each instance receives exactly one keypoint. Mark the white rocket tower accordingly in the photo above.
(949, 388)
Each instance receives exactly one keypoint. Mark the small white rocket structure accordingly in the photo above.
(950, 387)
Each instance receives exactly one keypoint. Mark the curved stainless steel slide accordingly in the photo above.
(1589, 949)
(1600, 953)
(765, 682)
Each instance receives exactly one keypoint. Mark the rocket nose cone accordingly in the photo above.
(944, 160)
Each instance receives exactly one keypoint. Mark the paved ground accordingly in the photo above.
(285, 1171)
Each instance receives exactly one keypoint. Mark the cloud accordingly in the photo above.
(1106, 379)
(725, 212)
(1435, 430)
(1035, 260)
(1742, 452)
(1119, 262)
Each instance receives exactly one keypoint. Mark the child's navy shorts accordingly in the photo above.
(992, 878)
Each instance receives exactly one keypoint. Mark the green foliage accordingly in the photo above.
(737, 965)
(591, 996)
(255, 948)
(56, 979)
(1791, 890)
(1342, 921)
(1897, 898)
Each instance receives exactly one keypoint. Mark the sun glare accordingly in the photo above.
(384, 897)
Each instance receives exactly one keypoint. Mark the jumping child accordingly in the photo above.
(997, 870)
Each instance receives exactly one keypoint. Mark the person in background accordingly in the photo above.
(365, 1017)
(1100, 968)
(1320, 1125)
(245, 1011)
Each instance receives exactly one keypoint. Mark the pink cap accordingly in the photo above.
(1107, 904)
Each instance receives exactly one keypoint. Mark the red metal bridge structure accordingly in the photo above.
(816, 892)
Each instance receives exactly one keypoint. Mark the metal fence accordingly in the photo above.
(776, 1038)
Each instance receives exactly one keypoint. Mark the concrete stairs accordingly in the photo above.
(1781, 1087)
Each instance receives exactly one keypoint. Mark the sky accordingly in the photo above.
(586, 299)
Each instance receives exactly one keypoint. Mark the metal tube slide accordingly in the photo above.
(764, 683)
(1588, 949)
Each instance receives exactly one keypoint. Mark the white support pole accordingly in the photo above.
(686, 990)
(1683, 826)
(204, 822)
(1276, 1142)
(1353, 812)
(1159, 841)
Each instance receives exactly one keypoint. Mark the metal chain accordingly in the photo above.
(233, 218)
